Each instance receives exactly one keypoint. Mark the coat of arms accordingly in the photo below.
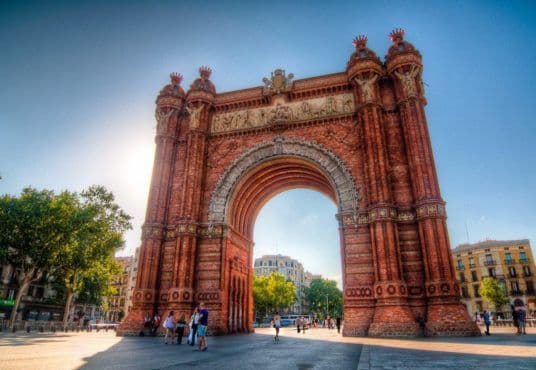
(278, 83)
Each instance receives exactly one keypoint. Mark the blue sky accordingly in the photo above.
(79, 79)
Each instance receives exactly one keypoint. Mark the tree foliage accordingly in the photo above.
(73, 236)
(324, 298)
(493, 292)
(272, 292)
(32, 231)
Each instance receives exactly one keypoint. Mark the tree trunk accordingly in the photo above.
(23, 287)
(68, 301)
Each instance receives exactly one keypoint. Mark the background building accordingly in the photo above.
(509, 261)
(132, 280)
(292, 270)
(117, 304)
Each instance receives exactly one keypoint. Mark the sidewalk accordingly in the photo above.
(501, 350)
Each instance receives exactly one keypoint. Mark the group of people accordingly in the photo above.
(175, 329)
(303, 323)
(519, 318)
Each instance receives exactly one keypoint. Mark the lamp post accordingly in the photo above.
(327, 305)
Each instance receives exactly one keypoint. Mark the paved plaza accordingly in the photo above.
(317, 349)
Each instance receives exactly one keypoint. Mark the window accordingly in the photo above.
(460, 264)
(491, 272)
(269, 263)
(515, 287)
(512, 270)
(530, 286)
(526, 270)
(462, 277)
(474, 276)
(489, 260)
(471, 262)
(475, 290)
(465, 293)
(479, 306)
(522, 257)
(508, 257)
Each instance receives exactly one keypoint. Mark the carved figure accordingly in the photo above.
(408, 80)
(278, 83)
(367, 88)
(194, 115)
(331, 105)
(162, 117)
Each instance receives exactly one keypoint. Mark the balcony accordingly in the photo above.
(530, 292)
(524, 260)
(509, 262)
(527, 274)
(516, 292)
(460, 268)
(490, 263)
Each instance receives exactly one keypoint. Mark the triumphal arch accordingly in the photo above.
(359, 136)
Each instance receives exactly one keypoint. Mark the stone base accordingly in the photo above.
(132, 324)
(450, 319)
(395, 330)
(451, 329)
(357, 321)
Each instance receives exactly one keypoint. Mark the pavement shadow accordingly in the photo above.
(8, 340)
(248, 351)
(385, 357)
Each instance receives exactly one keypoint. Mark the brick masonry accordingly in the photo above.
(359, 136)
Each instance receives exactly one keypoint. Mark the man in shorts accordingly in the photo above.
(202, 328)
(277, 325)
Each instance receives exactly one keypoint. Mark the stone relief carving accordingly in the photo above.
(336, 171)
(278, 82)
(162, 118)
(367, 88)
(408, 80)
(194, 115)
(291, 112)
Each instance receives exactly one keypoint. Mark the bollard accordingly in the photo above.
(28, 329)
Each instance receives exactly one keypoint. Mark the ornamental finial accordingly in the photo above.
(360, 42)
(205, 72)
(397, 35)
(176, 78)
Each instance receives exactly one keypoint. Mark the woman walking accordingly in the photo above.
(181, 324)
(169, 325)
(277, 325)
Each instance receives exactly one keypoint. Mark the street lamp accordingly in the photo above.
(327, 304)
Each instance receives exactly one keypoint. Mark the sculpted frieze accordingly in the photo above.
(290, 112)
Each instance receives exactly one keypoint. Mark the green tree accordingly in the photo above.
(272, 293)
(493, 292)
(31, 233)
(96, 224)
(324, 297)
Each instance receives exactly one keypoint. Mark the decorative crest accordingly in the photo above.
(205, 72)
(360, 42)
(397, 35)
(278, 83)
(176, 78)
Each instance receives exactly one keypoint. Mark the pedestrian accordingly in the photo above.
(515, 317)
(155, 324)
(521, 320)
(277, 325)
(194, 322)
(169, 325)
(202, 328)
(298, 324)
(304, 324)
(181, 324)
(487, 322)
(338, 322)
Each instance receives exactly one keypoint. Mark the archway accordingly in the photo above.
(249, 183)
(360, 136)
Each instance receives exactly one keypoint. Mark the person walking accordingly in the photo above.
(155, 324)
(169, 325)
(304, 324)
(338, 323)
(487, 322)
(202, 328)
(521, 320)
(181, 324)
(194, 322)
(277, 325)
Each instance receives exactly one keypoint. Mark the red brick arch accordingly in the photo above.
(359, 136)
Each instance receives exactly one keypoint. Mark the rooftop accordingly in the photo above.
(490, 243)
